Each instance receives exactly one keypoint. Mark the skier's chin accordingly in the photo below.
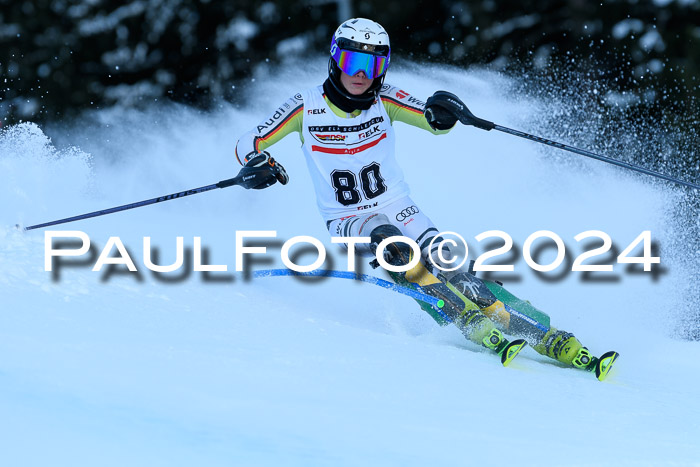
(357, 90)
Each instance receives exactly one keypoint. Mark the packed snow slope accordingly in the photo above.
(115, 368)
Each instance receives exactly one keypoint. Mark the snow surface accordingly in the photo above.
(118, 368)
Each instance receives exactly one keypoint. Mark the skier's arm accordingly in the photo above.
(402, 107)
(286, 119)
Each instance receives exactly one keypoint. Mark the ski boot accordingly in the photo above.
(601, 366)
(560, 345)
(507, 350)
(565, 348)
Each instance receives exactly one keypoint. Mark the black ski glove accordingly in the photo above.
(262, 171)
(442, 110)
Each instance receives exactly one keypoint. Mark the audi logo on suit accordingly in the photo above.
(406, 213)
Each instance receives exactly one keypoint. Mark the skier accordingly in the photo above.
(345, 126)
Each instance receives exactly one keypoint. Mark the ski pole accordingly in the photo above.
(436, 303)
(468, 118)
(222, 184)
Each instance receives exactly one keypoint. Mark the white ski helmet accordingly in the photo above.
(359, 44)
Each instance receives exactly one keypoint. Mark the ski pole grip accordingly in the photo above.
(468, 118)
(228, 182)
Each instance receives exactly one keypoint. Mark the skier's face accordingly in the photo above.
(355, 85)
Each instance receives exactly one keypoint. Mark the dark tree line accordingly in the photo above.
(60, 56)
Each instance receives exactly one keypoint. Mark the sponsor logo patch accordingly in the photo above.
(406, 213)
(321, 137)
(346, 129)
(371, 131)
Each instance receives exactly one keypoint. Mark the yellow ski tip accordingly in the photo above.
(512, 350)
(605, 364)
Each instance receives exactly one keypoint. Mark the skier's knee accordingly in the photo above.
(439, 255)
(395, 253)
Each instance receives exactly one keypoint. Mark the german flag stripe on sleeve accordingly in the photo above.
(402, 105)
(235, 151)
(277, 129)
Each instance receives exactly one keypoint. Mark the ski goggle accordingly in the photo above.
(352, 62)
